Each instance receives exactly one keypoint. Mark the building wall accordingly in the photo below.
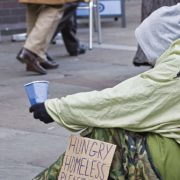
(12, 16)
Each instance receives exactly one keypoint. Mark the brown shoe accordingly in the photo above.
(35, 68)
(20, 56)
(49, 65)
(32, 61)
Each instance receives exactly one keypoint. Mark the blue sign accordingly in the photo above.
(106, 8)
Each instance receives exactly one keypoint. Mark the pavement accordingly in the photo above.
(27, 146)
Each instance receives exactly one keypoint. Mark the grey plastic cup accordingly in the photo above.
(37, 91)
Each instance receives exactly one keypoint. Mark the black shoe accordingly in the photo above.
(49, 58)
(81, 50)
(50, 61)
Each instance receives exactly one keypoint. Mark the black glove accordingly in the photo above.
(39, 112)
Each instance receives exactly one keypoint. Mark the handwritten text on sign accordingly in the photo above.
(87, 159)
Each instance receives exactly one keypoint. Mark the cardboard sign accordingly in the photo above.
(87, 159)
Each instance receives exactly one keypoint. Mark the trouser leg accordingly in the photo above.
(39, 38)
(31, 16)
(71, 41)
(68, 27)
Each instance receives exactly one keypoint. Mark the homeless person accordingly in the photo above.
(140, 115)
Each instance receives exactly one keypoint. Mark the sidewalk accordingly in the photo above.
(27, 145)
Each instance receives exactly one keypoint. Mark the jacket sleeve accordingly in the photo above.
(141, 103)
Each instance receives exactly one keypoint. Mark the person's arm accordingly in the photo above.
(142, 103)
(132, 105)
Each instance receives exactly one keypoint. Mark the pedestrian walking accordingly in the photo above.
(68, 29)
(43, 17)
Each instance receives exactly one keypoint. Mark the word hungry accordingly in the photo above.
(87, 159)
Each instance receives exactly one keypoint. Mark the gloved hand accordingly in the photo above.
(39, 112)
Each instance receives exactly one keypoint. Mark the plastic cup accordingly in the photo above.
(37, 91)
